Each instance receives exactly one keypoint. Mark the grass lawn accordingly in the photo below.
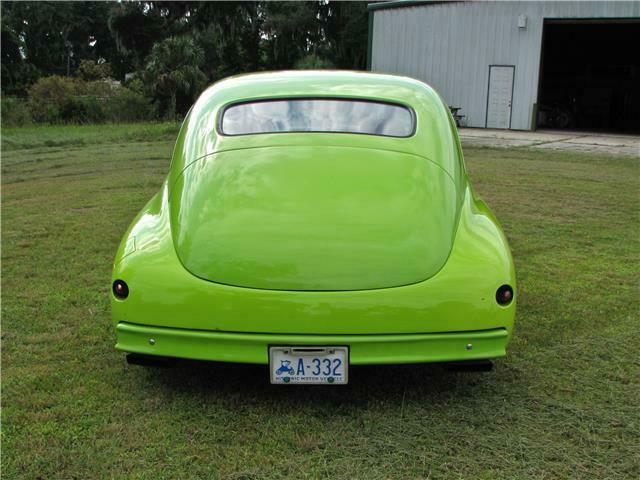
(563, 404)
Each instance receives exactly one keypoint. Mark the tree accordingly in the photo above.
(17, 73)
(137, 26)
(346, 34)
(53, 37)
(229, 33)
(174, 73)
(292, 30)
(332, 33)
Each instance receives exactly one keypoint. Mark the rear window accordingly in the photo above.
(318, 115)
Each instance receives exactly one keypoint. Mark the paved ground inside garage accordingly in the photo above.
(617, 144)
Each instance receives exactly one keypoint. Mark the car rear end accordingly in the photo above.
(313, 234)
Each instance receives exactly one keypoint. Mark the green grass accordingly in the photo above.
(89, 135)
(563, 404)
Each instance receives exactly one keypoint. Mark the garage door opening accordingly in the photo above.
(590, 76)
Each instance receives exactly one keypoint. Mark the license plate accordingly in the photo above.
(309, 365)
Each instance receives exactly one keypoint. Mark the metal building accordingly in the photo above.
(518, 65)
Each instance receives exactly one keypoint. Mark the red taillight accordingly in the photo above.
(504, 295)
(120, 289)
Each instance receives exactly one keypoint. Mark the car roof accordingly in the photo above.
(435, 137)
(321, 83)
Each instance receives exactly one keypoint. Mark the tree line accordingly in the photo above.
(168, 51)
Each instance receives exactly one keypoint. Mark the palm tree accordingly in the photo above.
(173, 69)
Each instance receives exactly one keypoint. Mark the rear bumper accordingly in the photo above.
(363, 349)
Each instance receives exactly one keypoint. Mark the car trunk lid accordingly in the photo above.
(313, 218)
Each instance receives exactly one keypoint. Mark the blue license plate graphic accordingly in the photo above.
(309, 365)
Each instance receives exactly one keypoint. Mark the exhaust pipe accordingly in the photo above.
(471, 366)
(149, 360)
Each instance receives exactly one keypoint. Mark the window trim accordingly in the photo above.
(223, 110)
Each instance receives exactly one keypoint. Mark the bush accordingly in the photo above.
(85, 109)
(136, 85)
(15, 112)
(129, 106)
(51, 98)
(100, 88)
(90, 70)
(313, 62)
(66, 100)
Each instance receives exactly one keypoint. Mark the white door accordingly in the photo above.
(500, 92)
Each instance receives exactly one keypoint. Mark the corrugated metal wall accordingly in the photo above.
(451, 46)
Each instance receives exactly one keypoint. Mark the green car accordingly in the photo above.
(311, 221)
